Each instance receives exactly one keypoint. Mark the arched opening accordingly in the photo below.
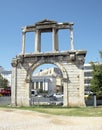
(49, 77)
(47, 83)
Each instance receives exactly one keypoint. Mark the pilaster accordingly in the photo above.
(55, 39)
(71, 39)
(37, 41)
(23, 42)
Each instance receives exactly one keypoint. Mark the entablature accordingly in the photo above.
(47, 26)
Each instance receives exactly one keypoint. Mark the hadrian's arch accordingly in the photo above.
(69, 62)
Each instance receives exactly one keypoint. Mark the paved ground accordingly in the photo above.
(12, 119)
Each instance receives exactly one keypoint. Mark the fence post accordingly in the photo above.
(95, 102)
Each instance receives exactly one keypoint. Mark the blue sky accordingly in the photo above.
(15, 14)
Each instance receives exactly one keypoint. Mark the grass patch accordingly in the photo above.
(58, 110)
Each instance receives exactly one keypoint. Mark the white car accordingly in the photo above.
(58, 95)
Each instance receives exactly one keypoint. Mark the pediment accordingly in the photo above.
(45, 21)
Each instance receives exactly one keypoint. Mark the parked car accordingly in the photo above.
(34, 92)
(39, 95)
(58, 95)
(53, 98)
(48, 95)
(87, 94)
(5, 91)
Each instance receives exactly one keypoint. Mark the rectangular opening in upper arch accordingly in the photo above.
(46, 42)
(64, 39)
(29, 46)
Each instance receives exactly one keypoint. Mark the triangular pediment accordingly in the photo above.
(46, 21)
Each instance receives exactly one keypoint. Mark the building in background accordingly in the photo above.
(87, 76)
(44, 84)
(43, 78)
(48, 80)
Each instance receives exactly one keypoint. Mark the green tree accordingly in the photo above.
(96, 82)
(3, 82)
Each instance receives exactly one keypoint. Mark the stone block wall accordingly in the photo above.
(74, 89)
(71, 65)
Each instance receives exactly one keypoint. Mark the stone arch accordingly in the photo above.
(65, 79)
(70, 62)
(34, 66)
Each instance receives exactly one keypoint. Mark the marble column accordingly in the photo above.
(14, 84)
(55, 39)
(23, 42)
(71, 39)
(37, 41)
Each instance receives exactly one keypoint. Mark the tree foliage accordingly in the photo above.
(96, 82)
(3, 82)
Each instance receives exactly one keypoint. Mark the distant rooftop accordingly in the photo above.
(6, 72)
